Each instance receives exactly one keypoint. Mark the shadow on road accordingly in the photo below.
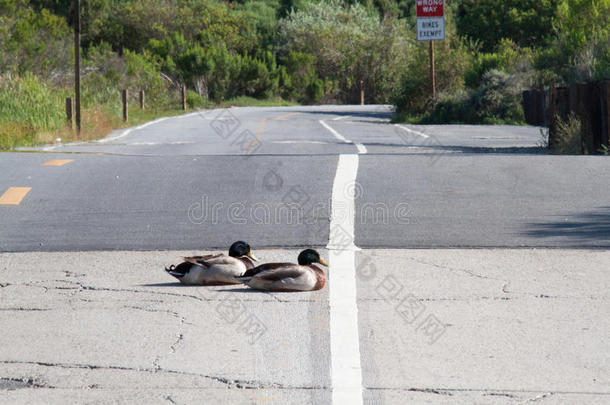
(593, 226)
(532, 150)
(176, 284)
(379, 114)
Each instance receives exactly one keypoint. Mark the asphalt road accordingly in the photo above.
(466, 266)
(265, 174)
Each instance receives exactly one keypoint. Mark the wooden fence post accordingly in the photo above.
(184, 97)
(125, 99)
(545, 109)
(584, 108)
(594, 107)
(142, 100)
(604, 98)
(527, 105)
(605, 112)
(535, 113)
(70, 111)
(361, 92)
(553, 104)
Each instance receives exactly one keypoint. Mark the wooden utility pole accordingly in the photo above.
(142, 100)
(432, 71)
(76, 6)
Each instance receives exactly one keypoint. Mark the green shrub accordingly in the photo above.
(452, 59)
(32, 41)
(194, 100)
(349, 43)
(304, 85)
(496, 101)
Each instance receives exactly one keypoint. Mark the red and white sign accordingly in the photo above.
(430, 8)
(430, 20)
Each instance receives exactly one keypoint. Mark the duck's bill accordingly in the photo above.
(323, 262)
(251, 256)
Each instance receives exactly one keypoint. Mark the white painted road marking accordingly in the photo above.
(129, 130)
(341, 117)
(361, 148)
(346, 371)
(412, 131)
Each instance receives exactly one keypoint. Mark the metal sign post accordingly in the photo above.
(431, 27)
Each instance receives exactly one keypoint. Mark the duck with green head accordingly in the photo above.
(304, 276)
(218, 269)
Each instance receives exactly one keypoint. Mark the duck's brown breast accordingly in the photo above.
(247, 261)
(321, 278)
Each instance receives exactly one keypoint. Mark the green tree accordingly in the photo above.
(528, 23)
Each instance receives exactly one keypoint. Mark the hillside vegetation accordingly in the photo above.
(303, 51)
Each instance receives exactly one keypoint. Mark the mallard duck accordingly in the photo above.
(287, 276)
(217, 269)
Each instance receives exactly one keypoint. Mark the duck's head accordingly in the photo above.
(241, 248)
(309, 256)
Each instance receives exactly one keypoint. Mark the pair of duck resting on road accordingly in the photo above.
(238, 267)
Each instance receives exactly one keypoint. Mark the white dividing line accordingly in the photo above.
(346, 371)
(335, 133)
(129, 130)
(122, 134)
(341, 117)
(361, 148)
(412, 131)
(159, 143)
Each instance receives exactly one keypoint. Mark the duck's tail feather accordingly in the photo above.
(243, 279)
(175, 271)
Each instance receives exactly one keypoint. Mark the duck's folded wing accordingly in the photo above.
(265, 267)
(202, 260)
(281, 273)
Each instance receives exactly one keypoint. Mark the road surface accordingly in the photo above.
(466, 266)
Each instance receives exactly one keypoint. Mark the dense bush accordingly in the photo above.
(30, 41)
(526, 22)
(349, 43)
(497, 100)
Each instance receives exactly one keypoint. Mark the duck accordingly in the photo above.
(288, 277)
(217, 269)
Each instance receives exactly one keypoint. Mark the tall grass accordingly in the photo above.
(28, 107)
(568, 136)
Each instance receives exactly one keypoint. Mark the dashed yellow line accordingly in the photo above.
(58, 162)
(257, 138)
(261, 126)
(14, 195)
(287, 115)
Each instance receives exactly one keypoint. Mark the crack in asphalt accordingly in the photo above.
(453, 269)
(81, 286)
(538, 397)
(11, 383)
(170, 399)
(489, 391)
(26, 309)
(172, 350)
(230, 383)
